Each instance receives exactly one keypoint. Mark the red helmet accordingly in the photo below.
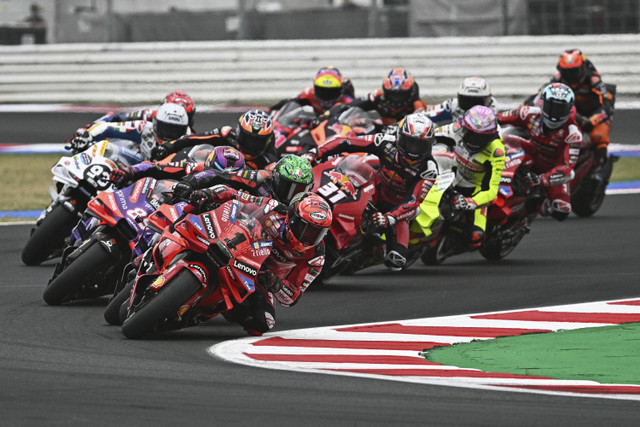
(398, 87)
(181, 98)
(308, 220)
(571, 66)
(415, 137)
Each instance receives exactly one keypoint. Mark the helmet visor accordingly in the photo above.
(414, 148)
(397, 98)
(169, 131)
(328, 93)
(252, 145)
(285, 189)
(555, 111)
(572, 75)
(465, 102)
(306, 233)
(475, 142)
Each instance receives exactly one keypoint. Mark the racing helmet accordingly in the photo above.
(180, 97)
(291, 175)
(479, 128)
(170, 122)
(398, 87)
(225, 158)
(415, 137)
(308, 220)
(571, 66)
(474, 91)
(327, 86)
(557, 101)
(254, 133)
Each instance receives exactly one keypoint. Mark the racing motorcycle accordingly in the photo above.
(105, 240)
(299, 129)
(509, 216)
(142, 260)
(349, 185)
(76, 180)
(206, 264)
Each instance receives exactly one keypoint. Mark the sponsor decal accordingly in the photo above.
(309, 277)
(262, 244)
(203, 240)
(135, 194)
(145, 186)
(230, 271)
(318, 216)
(111, 201)
(85, 158)
(317, 261)
(208, 225)
(196, 223)
(347, 217)
(234, 211)
(199, 272)
(245, 268)
(247, 282)
(155, 203)
(279, 255)
(122, 199)
(158, 282)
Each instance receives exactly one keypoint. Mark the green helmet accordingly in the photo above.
(292, 175)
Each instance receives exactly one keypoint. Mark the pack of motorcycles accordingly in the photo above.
(167, 266)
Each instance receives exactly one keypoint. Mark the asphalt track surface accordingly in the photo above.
(65, 366)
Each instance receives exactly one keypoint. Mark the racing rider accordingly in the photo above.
(253, 137)
(329, 88)
(480, 157)
(398, 97)
(593, 101)
(407, 172)
(296, 259)
(472, 91)
(554, 143)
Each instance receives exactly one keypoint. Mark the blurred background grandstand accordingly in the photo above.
(74, 21)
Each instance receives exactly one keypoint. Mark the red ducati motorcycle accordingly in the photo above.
(205, 265)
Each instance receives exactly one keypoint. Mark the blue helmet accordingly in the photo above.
(557, 101)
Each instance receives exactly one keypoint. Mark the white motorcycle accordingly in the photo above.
(76, 180)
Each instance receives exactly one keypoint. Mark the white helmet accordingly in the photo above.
(170, 122)
(474, 91)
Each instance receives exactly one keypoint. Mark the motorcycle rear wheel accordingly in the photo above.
(74, 276)
(436, 255)
(49, 235)
(112, 312)
(161, 306)
(586, 203)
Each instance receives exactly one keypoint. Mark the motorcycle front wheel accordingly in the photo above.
(70, 281)
(49, 235)
(161, 306)
(112, 314)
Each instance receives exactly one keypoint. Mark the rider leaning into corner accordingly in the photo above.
(480, 157)
(554, 144)
(593, 101)
(170, 122)
(329, 89)
(472, 91)
(407, 172)
(297, 231)
(253, 137)
(398, 97)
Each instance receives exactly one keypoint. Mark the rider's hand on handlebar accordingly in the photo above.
(201, 198)
(81, 140)
(182, 190)
(269, 281)
(383, 221)
(120, 177)
(462, 203)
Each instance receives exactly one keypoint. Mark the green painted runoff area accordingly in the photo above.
(608, 354)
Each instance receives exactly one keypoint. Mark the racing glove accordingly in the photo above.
(182, 190)
(81, 140)
(216, 194)
(159, 152)
(383, 220)
(311, 155)
(120, 177)
(462, 203)
(585, 123)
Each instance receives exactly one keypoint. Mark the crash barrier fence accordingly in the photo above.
(261, 72)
